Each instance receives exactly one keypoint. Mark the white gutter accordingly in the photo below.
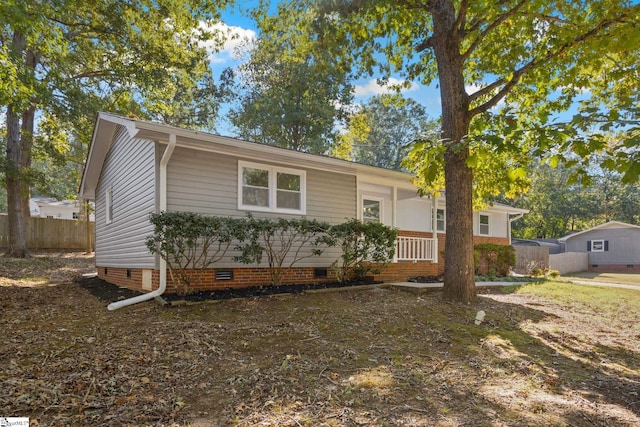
(163, 207)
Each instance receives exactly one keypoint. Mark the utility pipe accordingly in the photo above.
(518, 216)
(163, 207)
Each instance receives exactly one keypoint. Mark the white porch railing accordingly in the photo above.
(414, 249)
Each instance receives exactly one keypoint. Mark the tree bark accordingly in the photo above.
(17, 242)
(26, 146)
(17, 246)
(459, 277)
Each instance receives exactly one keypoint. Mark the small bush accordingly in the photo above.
(551, 273)
(284, 241)
(537, 272)
(189, 242)
(364, 247)
(494, 260)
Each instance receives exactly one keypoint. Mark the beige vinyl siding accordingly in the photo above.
(129, 170)
(207, 183)
(497, 224)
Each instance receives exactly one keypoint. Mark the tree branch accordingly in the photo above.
(517, 74)
(91, 74)
(492, 26)
(424, 45)
(461, 21)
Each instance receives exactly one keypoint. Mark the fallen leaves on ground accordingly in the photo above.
(349, 358)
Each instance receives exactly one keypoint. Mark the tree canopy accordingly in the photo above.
(292, 92)
(559, 206)
(382, 131)
(63, 61)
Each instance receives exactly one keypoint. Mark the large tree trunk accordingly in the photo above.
(26, 146)
(14, 153)
(17, 241)
(459, 278)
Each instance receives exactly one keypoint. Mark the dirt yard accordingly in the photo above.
(378, 357)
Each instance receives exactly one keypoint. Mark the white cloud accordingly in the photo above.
(228, 42)
(373, 88)
(473, 88)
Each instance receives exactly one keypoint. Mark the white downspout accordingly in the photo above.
(518, 216)
(163, 207)
(434, 227)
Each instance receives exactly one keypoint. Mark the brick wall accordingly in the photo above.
(253, 276)
(206, 280)
(615, 268)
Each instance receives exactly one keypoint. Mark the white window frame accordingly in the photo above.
(593, 245)
(444, 221)
(480, 224)
(374, 199)
(108, 206)
(273, 191)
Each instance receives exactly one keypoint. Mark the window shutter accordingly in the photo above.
(606, 245)
(588, 245)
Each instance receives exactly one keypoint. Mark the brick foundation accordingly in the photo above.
(614, 268)
(206, 279)
(246, 277)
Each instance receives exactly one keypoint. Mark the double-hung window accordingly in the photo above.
(371, 210)
(484, 225)
(440, 220)
(598, 245)
(108, 208)
(271, 188)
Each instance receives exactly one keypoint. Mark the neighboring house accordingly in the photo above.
(136, 167)
(48, 207)
(613, 246)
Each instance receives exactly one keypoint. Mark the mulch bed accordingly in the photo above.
(426, 279)
(108, 292)
(105, 291)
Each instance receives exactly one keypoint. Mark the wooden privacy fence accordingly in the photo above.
(569, 262)
(529, 257)
(50, 233)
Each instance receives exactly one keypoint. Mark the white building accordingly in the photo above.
(48, 207)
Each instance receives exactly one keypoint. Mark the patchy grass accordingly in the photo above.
(620, 278)
(608, 302)
(366, 357)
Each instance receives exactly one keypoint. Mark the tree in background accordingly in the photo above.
(559, 205)
(64, 61)
(292, 91)
(382, 131)
(198, 106)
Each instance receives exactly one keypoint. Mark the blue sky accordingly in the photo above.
(244, 28)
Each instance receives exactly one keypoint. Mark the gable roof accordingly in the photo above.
(606, 225)
(107, 124)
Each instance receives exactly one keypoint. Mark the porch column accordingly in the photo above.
(434, 227)
(394, 216)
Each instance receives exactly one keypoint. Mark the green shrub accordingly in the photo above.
(364, 247)
(190, 242)
(284, 241)
(496, 259)
(551, 273)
